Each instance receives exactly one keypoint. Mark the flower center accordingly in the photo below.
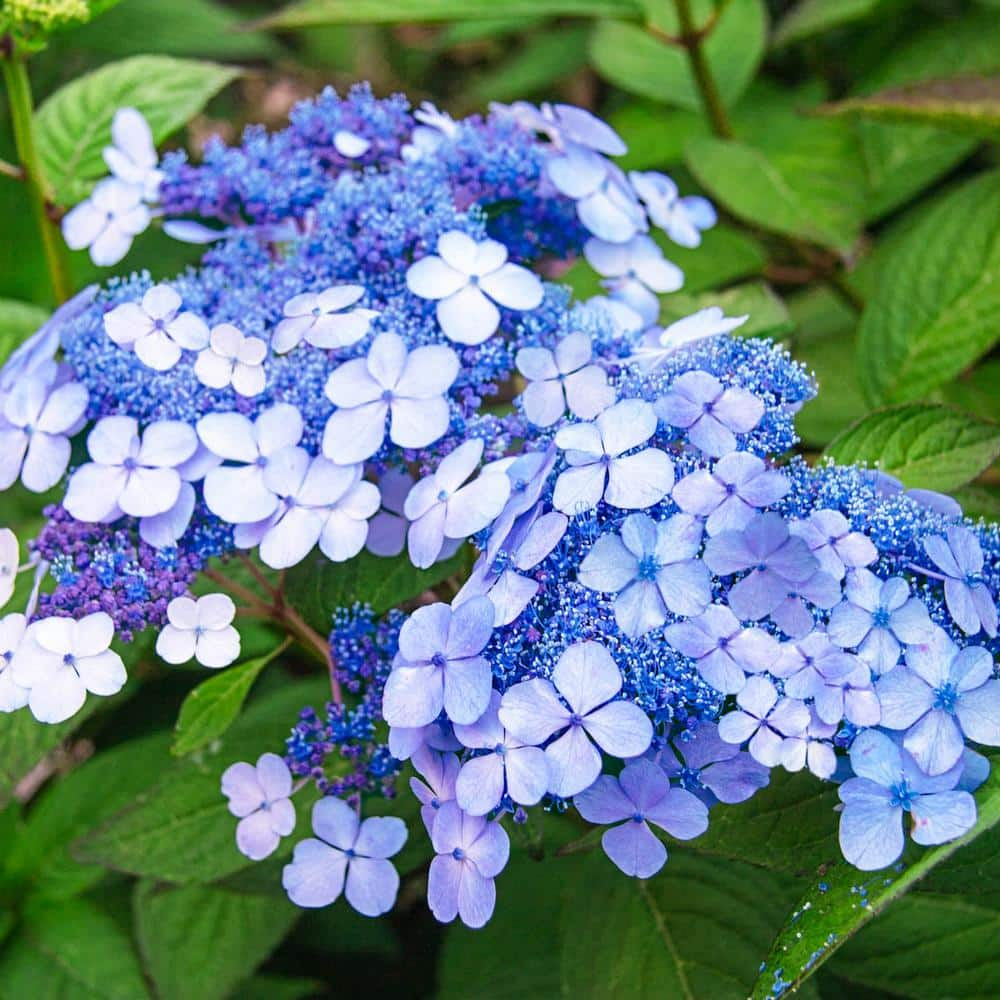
(946, 698)
(442, 496)
(649, 566)
(500, 749)
(880, 618)
(387, 396)
(637, 817)
(458, 854)
(349, 852)
(576, 720)
(902, 796)
(439, 660)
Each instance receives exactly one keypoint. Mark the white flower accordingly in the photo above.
(682, 219)
(468, 279)
(239, 494)
(132, 156)
(562, 378)
(60, 660)
(12, 695)
(320, 502)
(320, 319)
(201, 628)
(349, 144)
(9, 556)
(232, 359)
(165, 530)
(36, 421)
(441, 508)
(635, 272)
(658, 344)
(156, 329)
(408, 388)
(435, 127)
(107, 221)
(129, 474)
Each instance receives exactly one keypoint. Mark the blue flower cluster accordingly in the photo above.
(664, 608)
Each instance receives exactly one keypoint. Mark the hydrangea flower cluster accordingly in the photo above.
(663, 609)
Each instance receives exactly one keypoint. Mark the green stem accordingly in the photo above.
(15, 74)
(691, 38)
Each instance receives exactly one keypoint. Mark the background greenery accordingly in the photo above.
(850, 147)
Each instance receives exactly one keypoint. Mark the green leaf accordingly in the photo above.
(74, 124)
(632, 58)
(310, 13)
(655, 135)
(949, 951)
(809, 18)
(725, 255)
(194, 28)
(901, 160)
(934, 310)
(18, 320)
(544, 58)
(824, 342)
(788, 826)
(969, 105)
(280, 988)
(317, 587)
(70, 806)
(830, 911)
(785, 172)
(768, 314)
(209, 710)
(928, 446)
(71, 950)
(179, 829)
(208, 935)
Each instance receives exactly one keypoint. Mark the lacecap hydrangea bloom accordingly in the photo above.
(663, 610)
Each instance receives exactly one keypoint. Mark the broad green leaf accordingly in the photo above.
(24, 742)
(74, 124)
(725, 255)
(831, 911)
(979, 501)
(928, 446)
(655, 135)
(317, 587)
(70, 806)
(266, 987)
(179, 829)
(788, 826)
(209, 710)
(310, 13)
(768, 316)
(901, 160)
(196, 28)
(634, 59)
(934, 310)
(813, 17)
(544, 58)
(968, 105)
(824, 342)
(18, 320)
(927, 946)
(785, 172)
(70, 950)
(697, 929)
(974, 390)
(208, 935)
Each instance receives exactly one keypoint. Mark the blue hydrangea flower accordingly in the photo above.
(600, 469)
(508, 767)
(471, 852)
(406, 387)
(682, 219)
(586, 679)
(830, 539)
(711, 414)
(724, 651)
(563, 377)
(877, 617)
(811, 748)
(888, 785)
(259, 796)
(440, 666)
(711, 768)
(321, 319)
(346, 855)
(635, 273)
(439, 771)
(764, 719)
(959, 557)
(652, 568)
(641, 795)
(731, 492)
(941, 694)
